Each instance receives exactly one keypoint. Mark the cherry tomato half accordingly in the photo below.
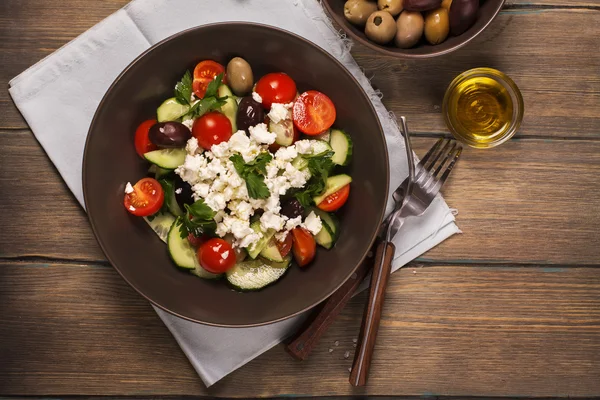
(285, 246)
(204, 73)
(216, 255)
(304, 246)
(313, 112)
(336, 200)
(142, 143)
(211, 128)
(146, 199)
(276, 87)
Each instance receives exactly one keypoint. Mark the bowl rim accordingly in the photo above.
(404, 53)
(91, 218)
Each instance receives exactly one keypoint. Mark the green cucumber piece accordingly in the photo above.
(318, 148)
(330, 232)
(255, 248)
(342, 147)
(171, 110)
(324, 136)
(300, 162)
(158, 171)
(256, 274)
(284, 131)
(230, 107)
(161, 224)
(333, 184)
(166, 158)
(183, 254)
(271, 252)
(324, 238)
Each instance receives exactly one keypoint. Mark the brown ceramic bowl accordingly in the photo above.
(110, 161)
(487, 12)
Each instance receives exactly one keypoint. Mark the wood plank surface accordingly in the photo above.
(527, 201)
(80, 330)
(560, 87)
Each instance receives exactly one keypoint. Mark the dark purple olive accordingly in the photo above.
(250, 113)
(463, 14)
(183, 192)
(421, 5)
(169, 134)
(292, 208)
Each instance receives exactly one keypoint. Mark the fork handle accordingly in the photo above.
(307, 337)
(372, 315)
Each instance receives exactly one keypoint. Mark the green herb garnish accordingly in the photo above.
(183, 89)
(198, 220)
(253, 173)
(319, 168)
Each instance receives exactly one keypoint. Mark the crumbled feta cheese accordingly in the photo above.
(286, 153)
(256, 97)
(178, 190)
(303, 146)
(240, 228)
(241, 209)
(225, 254)
(249, 239)
(219, 216)
(221, 150)
(272, 170)
(279, 112)
(131, 208)
(313, 223)
(270, 220)
(261, 134)
(128, 188)
(216, 201)
(239, 141)
(281, 236)
(293, 223)
(295, 177)
(201, 189)
(189, 123)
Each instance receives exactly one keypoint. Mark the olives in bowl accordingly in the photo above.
(443, 25)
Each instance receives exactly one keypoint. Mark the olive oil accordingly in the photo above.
(482, 109)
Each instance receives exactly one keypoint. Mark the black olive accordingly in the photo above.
(183, 192)
(250, 113)
(292, 208)
(169, 134)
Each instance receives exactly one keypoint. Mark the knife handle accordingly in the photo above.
(307, 337)
(372, 314)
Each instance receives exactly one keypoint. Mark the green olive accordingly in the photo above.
(239, 76)
(410, 29)
(357, 11)
(380, 27)
(394, 7)
(437, 25)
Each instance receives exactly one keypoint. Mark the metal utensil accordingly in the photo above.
(421, 188)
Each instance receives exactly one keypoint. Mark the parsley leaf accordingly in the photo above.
(253, 173)
(183, 89)
(213, 86)
(205, 105)
(198, 220)
(319, 168)
(169, 191)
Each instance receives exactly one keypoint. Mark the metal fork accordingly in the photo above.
(412, 198)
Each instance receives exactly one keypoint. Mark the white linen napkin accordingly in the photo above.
(59, 95)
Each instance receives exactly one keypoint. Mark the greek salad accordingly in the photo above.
(244, 177)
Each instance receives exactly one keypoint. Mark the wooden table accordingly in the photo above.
(509, 308)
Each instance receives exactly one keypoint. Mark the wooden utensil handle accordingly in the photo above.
(372, 314)
(307, 337)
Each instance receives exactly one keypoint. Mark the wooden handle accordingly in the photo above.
(372, 315)
(307, 337)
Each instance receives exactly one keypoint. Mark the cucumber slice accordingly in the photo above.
(330, 232)
(284, 131)
(170, 110)
(255, 249)
(183, 254)
(256, 274)
(333, 184)
(318, 148)
(161, 224)
(300, 163)
(230, 107)
(342, 146)
(158, 171)
(166, 158)
(324, 238)
(271, 252)
(324, 136)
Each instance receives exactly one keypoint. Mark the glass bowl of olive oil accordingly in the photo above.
(483, 107)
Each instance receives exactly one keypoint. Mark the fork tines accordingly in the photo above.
(439, 160)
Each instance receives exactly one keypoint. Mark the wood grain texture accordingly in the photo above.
(560, 87)
(527, 201)
(75, 330)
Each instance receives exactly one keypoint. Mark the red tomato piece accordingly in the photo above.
(336, 200)
(204, 73)
(304, 246)
(146, 199)
(285, 246)
(313, 112)
(216, 255)
(142, 143)
(211, 128)
(276, 87)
